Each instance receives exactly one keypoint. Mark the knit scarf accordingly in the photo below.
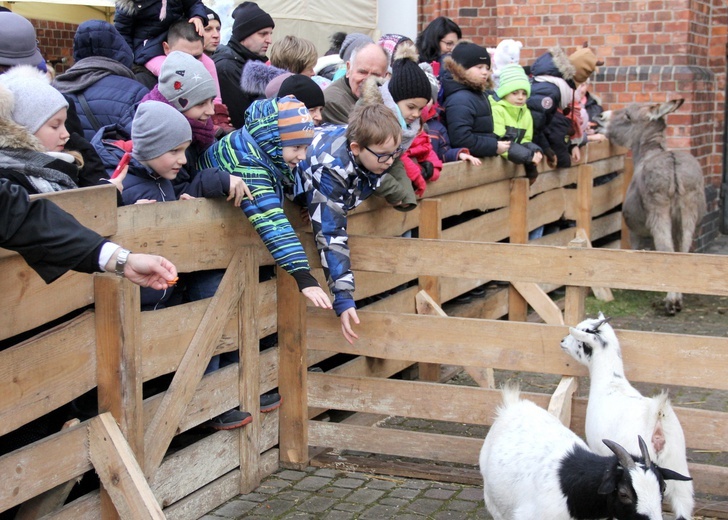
(203, 132)
(36, 166)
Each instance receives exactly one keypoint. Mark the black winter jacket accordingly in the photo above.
(229, 61)
(467, 113)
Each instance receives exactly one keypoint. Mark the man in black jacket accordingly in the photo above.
(252, 34)
(53, 242)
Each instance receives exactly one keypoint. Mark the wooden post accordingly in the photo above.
(119, 364)
(249, 380)
(628, 173)
(575, 296)
(517, 305)
(430, 227)
(584, 191)
(292, 372)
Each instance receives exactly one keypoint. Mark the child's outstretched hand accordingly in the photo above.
(503, 147)
(186, 196)
(470, 158)
(199, 27)
(575, 155)
(119, 179)
(238, 190)
(347, 317)
(537, 157)
(318, 297)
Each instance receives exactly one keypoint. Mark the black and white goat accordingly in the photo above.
(617, 411)
(535, 467)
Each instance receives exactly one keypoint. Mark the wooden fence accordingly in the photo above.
(150, 463)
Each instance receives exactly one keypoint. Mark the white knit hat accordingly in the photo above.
(35, 100)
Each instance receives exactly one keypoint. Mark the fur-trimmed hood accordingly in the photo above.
(556, 63)
(13, 135)
(256, 76)
(128, 6)
(373, 91)
(455, 77)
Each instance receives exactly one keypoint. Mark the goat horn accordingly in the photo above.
(602, 322)
(645, 452)
(624, 458)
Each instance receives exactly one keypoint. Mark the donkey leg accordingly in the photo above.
(660, 225)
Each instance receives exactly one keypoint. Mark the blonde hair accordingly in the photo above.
(372, 124)
(293, 54)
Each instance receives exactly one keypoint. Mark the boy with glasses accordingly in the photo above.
(343, 167)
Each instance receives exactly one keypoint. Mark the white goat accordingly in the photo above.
(534, 467)
(617, 411)
(665, 201)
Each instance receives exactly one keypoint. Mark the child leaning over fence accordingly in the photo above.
(344, 166)
(263, 153)
(512, 119)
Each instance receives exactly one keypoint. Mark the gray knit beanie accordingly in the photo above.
(352, 42)
(184, 81)
(35, 100)
(157, 128)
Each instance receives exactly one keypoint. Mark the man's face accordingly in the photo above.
(212, 36)
(192, 48)
(258, 42)
(368, 61)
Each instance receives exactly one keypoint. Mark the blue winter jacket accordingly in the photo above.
(332, 184)
(102, 74)
(144, 24)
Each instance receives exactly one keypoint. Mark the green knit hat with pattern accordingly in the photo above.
(512, 77)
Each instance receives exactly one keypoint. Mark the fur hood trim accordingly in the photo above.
(460, 75)
(127, 6)
(562, 63)
(13, 135)
(256, 76)
(406, 50)
(370, 94)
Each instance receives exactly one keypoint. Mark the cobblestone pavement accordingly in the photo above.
(329, 494)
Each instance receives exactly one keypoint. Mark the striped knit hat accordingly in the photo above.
(294, 122)
(512, 78)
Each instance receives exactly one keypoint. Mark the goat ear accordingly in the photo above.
(659, 111)
(609, 480)
(669, 474)
(579, 334)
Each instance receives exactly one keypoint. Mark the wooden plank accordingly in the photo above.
(546, 208)
(560, 403)
(217, 492)
(639, 270)
(541, 302)
(121, 476)
(292, 372)
(248, 385)
(416, 399)
(584, 188)
(428, 446)
(601, 293)
(88, 507)
(575, 297)
(119, 356)
(427, 305)
(699, 361)
(51, 500)
(430, 227)
(94, 206)
(164, 424)
(28, 302)
(418, 470)
(489, 227)
(517, 305)
(46, 371)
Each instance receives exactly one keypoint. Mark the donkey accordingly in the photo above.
(665, 201)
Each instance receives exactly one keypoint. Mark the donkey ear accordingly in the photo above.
(659, 111)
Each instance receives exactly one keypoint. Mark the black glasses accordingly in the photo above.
(384, 157)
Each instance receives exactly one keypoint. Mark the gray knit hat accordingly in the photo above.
(157, 128)
(35, 100)
(351, 43)
(184, 81)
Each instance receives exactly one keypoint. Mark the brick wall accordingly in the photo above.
(654, 50)
(55, 40)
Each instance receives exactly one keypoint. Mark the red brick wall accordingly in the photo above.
(654, 50)
(55, 41)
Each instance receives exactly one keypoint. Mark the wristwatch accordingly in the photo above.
(121, 262)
